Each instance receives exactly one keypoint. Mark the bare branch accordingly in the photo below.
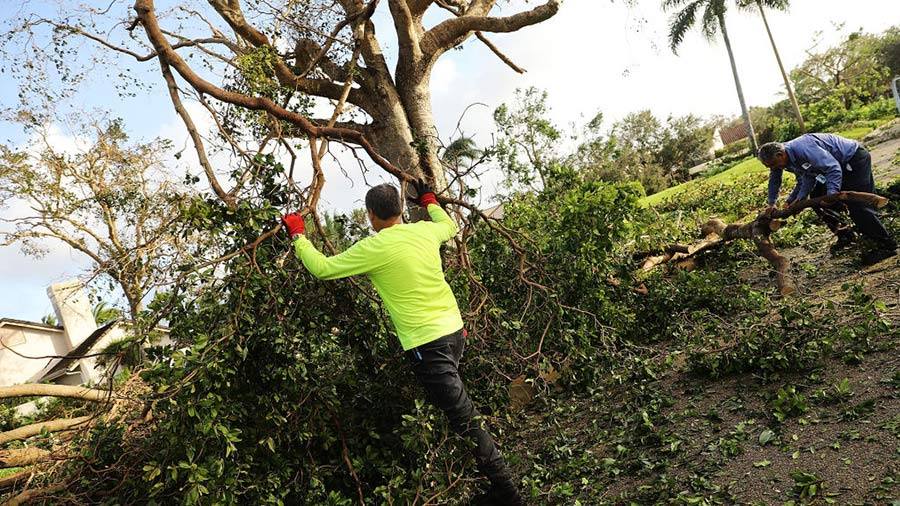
(494, 49)
(451, 32)
(224, 196)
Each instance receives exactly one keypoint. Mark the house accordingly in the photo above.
(733, 133)
(32, 352)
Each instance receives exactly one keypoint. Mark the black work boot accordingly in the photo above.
(885, 248)
(503, 490)
(844, 238)
(504, 494)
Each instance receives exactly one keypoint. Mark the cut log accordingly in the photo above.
(36, 428)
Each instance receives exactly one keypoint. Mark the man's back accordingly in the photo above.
(404, 263)
(815, 149)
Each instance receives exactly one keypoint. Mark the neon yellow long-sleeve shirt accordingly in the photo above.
(404, 264)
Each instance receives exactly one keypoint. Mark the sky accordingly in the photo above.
(593, 56)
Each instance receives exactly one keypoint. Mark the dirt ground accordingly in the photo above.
(849, 449)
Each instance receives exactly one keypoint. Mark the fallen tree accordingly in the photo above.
(716, 233)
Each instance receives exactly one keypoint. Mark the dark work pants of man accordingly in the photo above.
(857, 176)
(436, 366)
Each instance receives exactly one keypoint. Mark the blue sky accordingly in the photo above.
(594, 56)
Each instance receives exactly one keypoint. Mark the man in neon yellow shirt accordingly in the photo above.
(404, 263)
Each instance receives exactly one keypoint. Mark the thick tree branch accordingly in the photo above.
(22, 457)
(409, 31)
(50, 390)
(447, 34)
(147, 17)
(718, 232)
(37, 428)
(30, 495)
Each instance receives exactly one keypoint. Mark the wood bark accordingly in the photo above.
(29, 495)
(15, 479)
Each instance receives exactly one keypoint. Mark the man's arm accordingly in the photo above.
(355, 260)
(443, 225)
(805, 184)
(774, 184)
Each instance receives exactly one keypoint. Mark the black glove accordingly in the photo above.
(424, 192)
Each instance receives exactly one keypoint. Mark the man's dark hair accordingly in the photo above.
(769, 150)
(384, 201)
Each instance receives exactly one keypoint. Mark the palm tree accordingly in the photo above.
(103, 312)
(461, 150)
(781, 5)
(712, 21)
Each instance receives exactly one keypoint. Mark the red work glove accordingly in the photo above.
(425, 193)
(293, 223)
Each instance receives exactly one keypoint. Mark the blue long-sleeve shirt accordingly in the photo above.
(811, 155)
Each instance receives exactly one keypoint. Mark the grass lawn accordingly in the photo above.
(750, 165)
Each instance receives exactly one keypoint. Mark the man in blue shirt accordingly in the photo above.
(825, 164)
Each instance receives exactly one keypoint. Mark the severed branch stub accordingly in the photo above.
(716, 232)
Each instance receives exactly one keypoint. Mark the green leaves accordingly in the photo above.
(766, 436)
(787, 403)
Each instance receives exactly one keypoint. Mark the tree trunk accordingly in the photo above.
(737, 83)
(787, 82)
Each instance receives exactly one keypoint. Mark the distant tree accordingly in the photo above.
(461, 150)
(712, 21)
(638, 139)
(687, 141)
(528, 142)
(49, 319)
(595, 154)
(851, 73)
(889, 51)
(109, 198)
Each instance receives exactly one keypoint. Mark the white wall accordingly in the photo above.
(30, 342)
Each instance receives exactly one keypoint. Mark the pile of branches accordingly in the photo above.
(41, 447)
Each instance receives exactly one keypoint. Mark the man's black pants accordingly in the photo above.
(436, 366)
(857, 176)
